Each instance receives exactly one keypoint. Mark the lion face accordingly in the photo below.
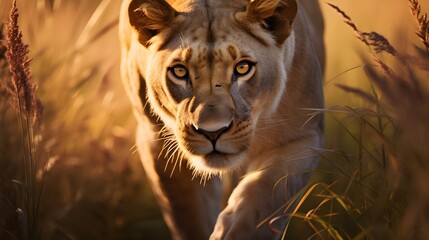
(215, 91)
(210, 78)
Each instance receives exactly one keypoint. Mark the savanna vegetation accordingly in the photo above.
(68, 164)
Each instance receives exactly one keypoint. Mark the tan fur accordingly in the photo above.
(215, 121)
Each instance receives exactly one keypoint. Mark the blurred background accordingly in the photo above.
(94, 186)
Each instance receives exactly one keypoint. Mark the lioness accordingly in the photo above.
(224, 86)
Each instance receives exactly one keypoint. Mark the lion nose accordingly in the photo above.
(213, 136)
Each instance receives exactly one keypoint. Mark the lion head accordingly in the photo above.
(212, 68)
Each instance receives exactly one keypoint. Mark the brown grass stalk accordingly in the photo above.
(422, 22)
(29, 111)
(373, 40)
(20, 86)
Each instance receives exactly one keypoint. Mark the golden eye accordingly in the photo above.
(179, 71)
(242, 68)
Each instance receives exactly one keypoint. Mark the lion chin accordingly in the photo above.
(215, 163)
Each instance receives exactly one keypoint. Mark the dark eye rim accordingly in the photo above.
(248, 62)
(171, 70)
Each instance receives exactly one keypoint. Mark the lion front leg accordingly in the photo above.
(272, 179)
(188, 207)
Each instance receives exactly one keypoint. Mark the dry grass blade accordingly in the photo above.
(357, 91)
(348, 21)
(84, 36)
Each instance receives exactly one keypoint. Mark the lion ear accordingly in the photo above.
(274, 15)
(150, 17)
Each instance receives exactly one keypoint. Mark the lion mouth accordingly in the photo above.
(212, 136)
(218, 141)
(216, 151)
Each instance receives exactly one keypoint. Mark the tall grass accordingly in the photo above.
(93, 182)
(373, 182)
(28, 111)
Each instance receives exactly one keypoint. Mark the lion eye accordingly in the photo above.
(242, 68)
(179, 71)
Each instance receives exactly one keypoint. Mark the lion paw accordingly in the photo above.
(240, 219)
(235, 224)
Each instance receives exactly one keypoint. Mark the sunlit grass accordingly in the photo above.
(373, 167)
(371, 178)
(94, 184)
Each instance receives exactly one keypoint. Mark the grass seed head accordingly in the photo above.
(20, 87)
(422, 22)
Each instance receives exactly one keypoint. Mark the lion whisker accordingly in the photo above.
(169, 159)
(166, 144)
(310, 118)
(262, 138)
(174, 166)
(181, 157)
